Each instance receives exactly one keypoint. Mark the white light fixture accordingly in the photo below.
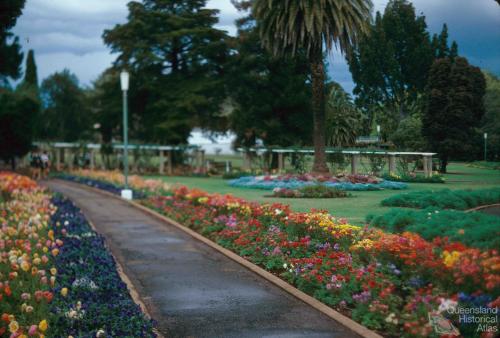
(485, 136)
(124, 77)
(378, 128)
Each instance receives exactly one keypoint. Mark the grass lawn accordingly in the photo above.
(362, 203)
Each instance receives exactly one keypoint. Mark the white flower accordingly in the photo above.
(285, 266)
(100, 334)
(66, 223)
(278, 211)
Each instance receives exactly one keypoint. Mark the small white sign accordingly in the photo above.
(127, 194)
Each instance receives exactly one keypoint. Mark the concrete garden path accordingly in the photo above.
(190, 289)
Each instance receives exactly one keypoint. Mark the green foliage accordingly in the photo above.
(343, 119)
(10, 49)
(444, 199)
(30, 75)
(408, 135)
(472, 229)
(454, 109)
(485, 165)
(270, 96)
(17, 117)
(391, 64)
(65, 115)
(491, 120)
(414, 178)
(175, 56)
(313, 191)
(304, 27)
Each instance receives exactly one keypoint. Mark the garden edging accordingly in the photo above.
(328, 311)
(483, 207)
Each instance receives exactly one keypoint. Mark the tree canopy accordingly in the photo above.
(65, 113)
(175, 56)
(454, 109)
(10, 50)
(270, 96)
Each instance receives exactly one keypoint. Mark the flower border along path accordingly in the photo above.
(62, 282)
(385, 281)
(314, 303)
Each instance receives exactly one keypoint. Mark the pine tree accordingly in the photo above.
(30, 75)
(175, 56)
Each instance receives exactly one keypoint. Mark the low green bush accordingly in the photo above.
(485, 165)
(473, 229)
(414, 179)
(444, 199)
(311, 191)
(235, 174)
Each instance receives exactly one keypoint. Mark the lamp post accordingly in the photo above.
(124, 80)
(485, 145)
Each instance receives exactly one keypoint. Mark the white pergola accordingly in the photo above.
(355, 155)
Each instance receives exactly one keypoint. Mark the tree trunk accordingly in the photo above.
(318, 106)
(443, 164)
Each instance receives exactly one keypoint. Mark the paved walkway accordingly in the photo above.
(190, 289)
(494, 211)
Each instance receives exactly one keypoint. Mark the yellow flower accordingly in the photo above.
(64, 292)
(25, 266)
(449, 258)
(203, 200)
(13, 327)
(53, 271)
(55, 252)
(42, 326)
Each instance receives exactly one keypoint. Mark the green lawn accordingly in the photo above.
(362, 203)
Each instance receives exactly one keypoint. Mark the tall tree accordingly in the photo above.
(491, 120)
(270, 96)
(10, 49)
(175, 56)
(454, 109)
(65, 115)
(30, 75)
(17, 119)
(303, 26)
(391, 64)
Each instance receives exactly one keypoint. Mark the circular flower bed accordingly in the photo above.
(343, 182)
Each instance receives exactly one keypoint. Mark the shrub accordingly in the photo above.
(414, 178)
(314, 191)
(444, 199)
(472, 229)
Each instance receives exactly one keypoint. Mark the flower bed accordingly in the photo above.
(56, 278)
(347, 182)
(444, 199)
(387, 282)
(114, 182)
(312, 191)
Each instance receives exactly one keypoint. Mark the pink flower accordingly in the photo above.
(32, 330)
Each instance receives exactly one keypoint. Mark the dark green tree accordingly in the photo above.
(343, 119)
(30, 75)
(10, 49)
(17, 119)
(65, 114)
(491, 120)
(270, 96)
(390, 65)
(175, 56)
(306, 27)
(454, 109)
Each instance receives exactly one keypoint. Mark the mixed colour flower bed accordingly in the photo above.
(341, 182)
(56, 277)
(391, 283)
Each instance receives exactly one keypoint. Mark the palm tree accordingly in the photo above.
(292, 26)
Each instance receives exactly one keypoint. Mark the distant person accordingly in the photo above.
(45, 164)
(36, 165)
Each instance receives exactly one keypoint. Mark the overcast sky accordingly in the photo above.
(67, 33)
